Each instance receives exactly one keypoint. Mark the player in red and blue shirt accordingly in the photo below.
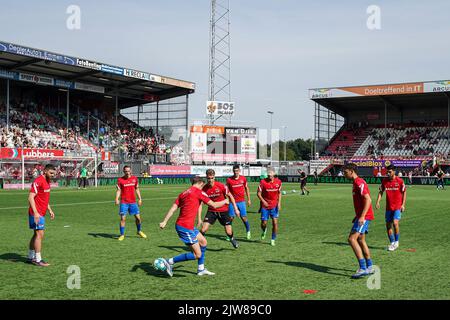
(395, 190)
(269, 193)
(364, 214)
(216, 191)
(38, 199)
(189, 203)
(237, 184)
(127, 188)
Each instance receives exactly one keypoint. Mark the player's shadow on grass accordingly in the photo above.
(149, 270)
(314, 267)
(103, 235)
(181, 248)
(345, 244)
(13, 257)
(223, 237)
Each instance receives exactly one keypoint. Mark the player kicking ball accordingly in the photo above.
(237, 184)
(189, 203)
(216, 191)
(38, 199)
(364, 214)
(127, 188)
(395, 204)
(269, 193)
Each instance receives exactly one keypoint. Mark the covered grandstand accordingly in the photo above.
(406, 124)
(51, 101)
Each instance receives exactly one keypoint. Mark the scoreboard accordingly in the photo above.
(223, 144)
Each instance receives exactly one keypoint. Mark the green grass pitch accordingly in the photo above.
(311, 251)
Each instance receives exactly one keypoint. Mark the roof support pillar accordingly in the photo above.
(7, 105)
(67, 110)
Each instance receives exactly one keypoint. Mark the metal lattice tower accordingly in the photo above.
(219, 88)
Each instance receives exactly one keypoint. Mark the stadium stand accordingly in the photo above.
(347, 141)
(31, 127)
(406, 141)
(421, 141)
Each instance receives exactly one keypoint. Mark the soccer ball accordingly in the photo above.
(293, 191)
(159, 265)
(283, 192)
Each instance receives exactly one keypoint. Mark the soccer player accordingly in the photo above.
(83, 178)
(303, 179)
(395, 204)
(127, 188)
(269, 193)
(237, 184)
(38, 199)
(440, 179)
(216, 191)
(364, 214)
(189, 203)
(316, 177)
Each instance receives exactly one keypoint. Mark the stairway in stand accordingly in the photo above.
(359, 140)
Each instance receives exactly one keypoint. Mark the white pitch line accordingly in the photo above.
(83, 203)
(96, 202)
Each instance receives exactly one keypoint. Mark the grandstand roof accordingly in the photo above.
(343, 100)
(53, 69)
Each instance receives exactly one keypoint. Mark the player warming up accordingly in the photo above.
(127, 188)
(269, 193)
(303, 180)
(395, 204)
(38, 199)
(189, 203)
(364, 214)
(216, 191)
(237, 184)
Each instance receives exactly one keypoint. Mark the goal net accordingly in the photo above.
(19, 173)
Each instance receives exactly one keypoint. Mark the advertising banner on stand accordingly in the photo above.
(156, 170)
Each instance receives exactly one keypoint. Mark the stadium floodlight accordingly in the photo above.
(271, 142)
(284, 127)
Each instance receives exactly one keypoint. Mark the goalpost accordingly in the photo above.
(63, 164)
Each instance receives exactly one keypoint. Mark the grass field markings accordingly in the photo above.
(84, 203)
(144, 188)
(87, 203)
(112, 190)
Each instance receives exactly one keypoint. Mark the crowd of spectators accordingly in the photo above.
(32, 127)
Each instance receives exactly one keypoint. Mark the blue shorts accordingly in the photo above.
(39, 226)
(242, 208)
(266, 213)
(393, 215)
(129, 208)
(364, 229)
(189, 237)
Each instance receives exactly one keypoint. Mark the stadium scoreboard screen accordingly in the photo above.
(223, 144)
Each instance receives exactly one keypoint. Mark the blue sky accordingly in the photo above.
(280, 48)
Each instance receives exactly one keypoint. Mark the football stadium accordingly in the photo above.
(126, 185)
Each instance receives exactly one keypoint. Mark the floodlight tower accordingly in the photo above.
(219, 88)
